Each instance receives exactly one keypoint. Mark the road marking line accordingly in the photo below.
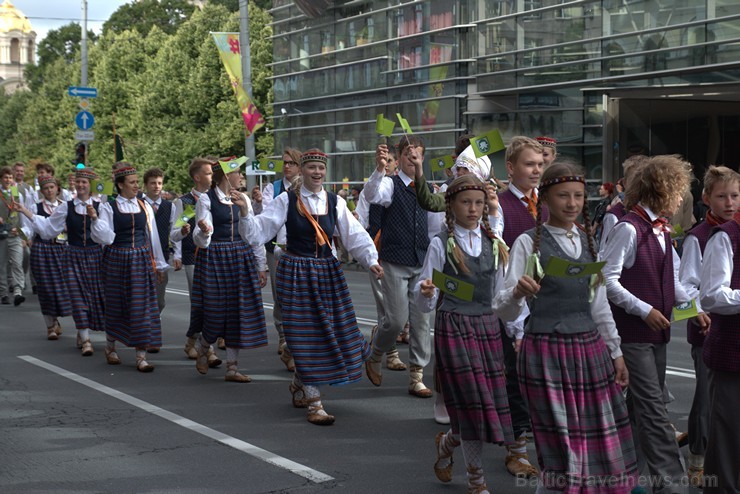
(259, 453)
(680, 371)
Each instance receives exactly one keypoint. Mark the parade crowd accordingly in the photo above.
(575, 361)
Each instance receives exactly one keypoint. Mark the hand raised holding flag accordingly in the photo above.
(381, 157)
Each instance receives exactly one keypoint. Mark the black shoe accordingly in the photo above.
(5, 300)
(18, 300)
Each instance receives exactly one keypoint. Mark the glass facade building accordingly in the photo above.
(606, 78)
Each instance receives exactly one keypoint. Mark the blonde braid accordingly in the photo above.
(503, 253)
(457, 254)
(590, 237)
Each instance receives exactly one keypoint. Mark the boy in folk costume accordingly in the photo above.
(201, 171)
(720, 294)
(722, 195)
(405, 233)
(642, 284)
(524, 163)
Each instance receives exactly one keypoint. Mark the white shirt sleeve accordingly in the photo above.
(690, 271)
(434, 259)
(354, 237)
(203, 212)
(363, 210)
(51, 227)
(159, 259)
(176, 244)
(607, 225)
(379, 189)
(102, 229)
(268, 191)
(497, 223)
(176, 233)
(681, 295)
(619, 253)
(716, 276)
(506, 305)
(264, 227)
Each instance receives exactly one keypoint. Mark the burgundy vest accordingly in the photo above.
(722, 345)
(618, 210)
(693, 332)
(517, 218)
(651, 280)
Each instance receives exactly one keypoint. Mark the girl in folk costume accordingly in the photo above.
(229, 273)
(722, 195)
(467, 338)
(318, 317)
(132, 266)
(720, 295)
(49, 261)
(84, 257)
(642, 285)
(570, 363)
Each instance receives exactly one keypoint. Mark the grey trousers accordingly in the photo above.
(652, 431)
(11, 257)
(699, 414)
(376, 285)
(398, 299)
(721, 471)
(277, 310)
(161, 289)
(189, 270)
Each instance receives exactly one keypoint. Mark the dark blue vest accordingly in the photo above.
(130, 228)
(162, 217)
(225, 220)
(79, 226)
(188, 246)
(374, 219)
(404, 235)
(301, 234)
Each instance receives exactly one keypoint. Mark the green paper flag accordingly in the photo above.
(14, 192)
(442, 162)
(562, 268)
(452, 286)
(404, 124)
(488, 143)
(187, 214)
(271, 165)
(102, 187)
(232, 165)
(685, 311)
(383, 126)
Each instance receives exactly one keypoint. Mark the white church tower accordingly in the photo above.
(17, 46)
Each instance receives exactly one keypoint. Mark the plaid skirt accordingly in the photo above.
(130, 288)
(319, 320)
(84, 282)
(227, 298)
(579, 416)
(470, 369)
(49, 267)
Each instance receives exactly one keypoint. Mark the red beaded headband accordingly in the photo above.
(451, 192)
(86, 173)
(123, 172)
(47, 180)
(313, 156)
(560, 180)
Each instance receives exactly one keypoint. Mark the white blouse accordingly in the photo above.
(716, 276)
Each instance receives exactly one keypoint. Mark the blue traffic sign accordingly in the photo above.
(83, 92)
(84, 120)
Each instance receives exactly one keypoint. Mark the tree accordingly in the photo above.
(61, 43)
(141, 16)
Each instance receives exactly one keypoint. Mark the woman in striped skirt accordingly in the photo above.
(469, 356)
(49, 262)
(229, 273)
(571, 369)
(132, 266)
(84, 257)
(318, 317)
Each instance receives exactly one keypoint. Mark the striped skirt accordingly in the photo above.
(195, 326)
(49, 266)
(227, 296)
(319, 320)
(470, 370)
(579, 416)
(85, 286)
(130, 287)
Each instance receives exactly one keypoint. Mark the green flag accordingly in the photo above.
(232, 165)
(404, 124)
(103, 187)
(271, 165)
(452, 286)
(14, 192)
(187, 214)
(562, 268)
(442, 162)
(685, 311)
(383, 126)
(488, 143)
(118, 147)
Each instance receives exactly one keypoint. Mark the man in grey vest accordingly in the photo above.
(11, 244)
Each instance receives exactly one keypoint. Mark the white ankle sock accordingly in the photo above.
(696, 461)
(84, 334)
(49, 320)
(520, 447)
(232, 354)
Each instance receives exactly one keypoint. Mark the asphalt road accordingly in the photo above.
(70, 424)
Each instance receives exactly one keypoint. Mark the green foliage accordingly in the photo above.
(141, 16)
(167, 88)
(61, 43)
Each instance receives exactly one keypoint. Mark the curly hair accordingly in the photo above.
(658, 182)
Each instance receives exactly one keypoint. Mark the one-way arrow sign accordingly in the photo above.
(83, 92)
(84, 120)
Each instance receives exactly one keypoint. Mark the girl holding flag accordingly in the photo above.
(84, 257)
(229, 272)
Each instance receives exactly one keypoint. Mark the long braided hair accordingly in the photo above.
(460, 184)
(559, 172)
